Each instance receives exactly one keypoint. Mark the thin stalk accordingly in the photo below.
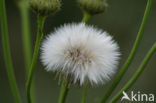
(131, 55)
(26, 33)
(136, 75)
(26, 38)
(63, 92)
(84, 94)
(86, 17)
(40, 21)
(7, 54)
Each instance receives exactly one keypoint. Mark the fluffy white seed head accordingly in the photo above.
(81, 51)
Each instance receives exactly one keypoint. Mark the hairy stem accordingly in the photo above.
(7, 54)
(40, 21)
(136, 75)
(131, 55)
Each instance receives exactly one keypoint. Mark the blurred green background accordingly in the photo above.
(122, 20)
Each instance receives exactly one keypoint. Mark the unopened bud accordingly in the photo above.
(93, 6)
(45, 7)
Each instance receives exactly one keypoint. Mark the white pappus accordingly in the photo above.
(81, 51)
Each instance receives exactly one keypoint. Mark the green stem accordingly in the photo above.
(40, 22)
(136, 75)
(86, 17)
(63, 92)
(26, 33)
(7, 54)
(131, 56)
(26, 38)
(84, 94)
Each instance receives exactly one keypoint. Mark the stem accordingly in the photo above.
(26, 38)
(86, 16)
(40, 22)
(7, 54)
(137, 74)
(84, 94)
(26, 33)
(131, 55)
(63, 92)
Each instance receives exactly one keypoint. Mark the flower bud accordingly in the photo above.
(45, 7)
(93, 6)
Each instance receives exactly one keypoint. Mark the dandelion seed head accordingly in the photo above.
(81, 51)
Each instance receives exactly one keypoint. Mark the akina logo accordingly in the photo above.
(138, 97)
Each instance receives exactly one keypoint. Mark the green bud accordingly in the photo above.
(93, 6)
(45, 7)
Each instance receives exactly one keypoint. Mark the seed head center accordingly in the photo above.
(79, 55)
